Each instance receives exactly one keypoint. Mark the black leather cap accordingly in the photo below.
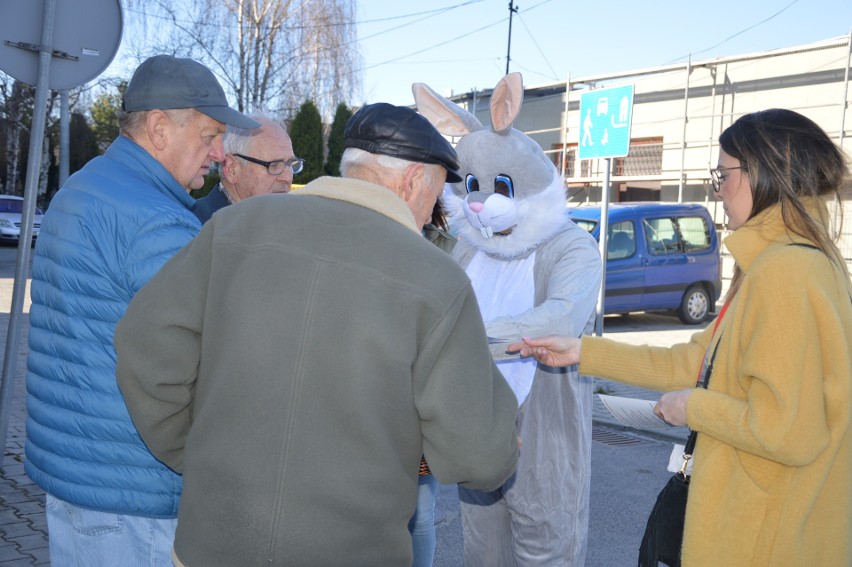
(400, 132)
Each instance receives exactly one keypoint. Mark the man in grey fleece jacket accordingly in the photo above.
(296, 359)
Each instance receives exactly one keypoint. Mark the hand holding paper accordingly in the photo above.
(498, 349)
(638, 414)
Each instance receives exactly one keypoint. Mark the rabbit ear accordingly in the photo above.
(506, 102)
(448, 118)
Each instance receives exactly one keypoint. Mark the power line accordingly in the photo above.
(454, 60)
(437, 45)
(427, 13)
(534, 72)
(420, 16)
(543, 56)
(430, 13)
(784, 9)
(467, 34)
(439, 10)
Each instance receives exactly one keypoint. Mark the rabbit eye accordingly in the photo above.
(471, 183)
(503, 186)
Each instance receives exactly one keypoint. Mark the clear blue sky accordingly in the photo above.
(459, 45)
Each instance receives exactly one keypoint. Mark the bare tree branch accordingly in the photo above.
(270, 54)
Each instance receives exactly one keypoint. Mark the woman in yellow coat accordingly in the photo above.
(773, 460)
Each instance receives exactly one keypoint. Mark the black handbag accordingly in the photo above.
(664, 531)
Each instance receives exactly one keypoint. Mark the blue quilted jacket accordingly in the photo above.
(107, 231)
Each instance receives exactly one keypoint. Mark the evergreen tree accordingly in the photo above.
(211, 180)
(83, 143)
(82, 147)
(104, 113)
(335, 140)
(306, 134)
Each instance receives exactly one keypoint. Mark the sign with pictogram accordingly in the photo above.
(605, 117)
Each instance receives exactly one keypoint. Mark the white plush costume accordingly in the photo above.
(534, 273)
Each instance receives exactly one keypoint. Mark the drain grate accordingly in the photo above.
(614, 438)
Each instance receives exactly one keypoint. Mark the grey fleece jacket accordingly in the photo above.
(294, 361)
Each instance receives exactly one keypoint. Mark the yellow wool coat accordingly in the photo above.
(772, 474)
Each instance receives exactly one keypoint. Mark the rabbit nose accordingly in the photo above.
(476, 207)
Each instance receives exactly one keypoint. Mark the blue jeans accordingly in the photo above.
(88, 538)
(422, 523)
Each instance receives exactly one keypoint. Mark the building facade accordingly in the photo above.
(677, 115)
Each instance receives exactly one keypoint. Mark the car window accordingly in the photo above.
(662, 236)
(695, 232)
(585, 224)
(11, 206)
(622, 240)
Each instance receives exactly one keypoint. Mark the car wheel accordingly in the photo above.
(694, 306)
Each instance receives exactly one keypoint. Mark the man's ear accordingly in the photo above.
(157, 128)
(230, 169)
(412, 178)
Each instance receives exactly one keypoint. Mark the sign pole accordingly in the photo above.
(605, 119)
(64, 137)
(603, 244)
(26, 235)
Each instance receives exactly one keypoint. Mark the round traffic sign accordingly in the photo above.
(86, 37)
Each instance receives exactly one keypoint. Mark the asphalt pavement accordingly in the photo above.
(628, 467)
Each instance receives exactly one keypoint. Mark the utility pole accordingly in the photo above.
(512, 10)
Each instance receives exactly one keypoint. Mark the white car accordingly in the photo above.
(10, 218)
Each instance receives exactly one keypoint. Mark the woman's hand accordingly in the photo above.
(672, 407)
(552, 351)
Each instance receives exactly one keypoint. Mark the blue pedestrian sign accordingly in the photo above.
(605, 116)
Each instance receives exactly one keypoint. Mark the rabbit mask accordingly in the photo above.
(512, 196)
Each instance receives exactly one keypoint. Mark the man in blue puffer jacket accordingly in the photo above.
(107, 231)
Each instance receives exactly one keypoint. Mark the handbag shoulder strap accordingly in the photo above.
(690, 442)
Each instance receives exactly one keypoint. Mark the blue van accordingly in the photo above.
(660, 256)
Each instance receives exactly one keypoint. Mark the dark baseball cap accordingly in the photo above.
(164, 82)
(400, 132)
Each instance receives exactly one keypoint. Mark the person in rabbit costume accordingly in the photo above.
(534, 273)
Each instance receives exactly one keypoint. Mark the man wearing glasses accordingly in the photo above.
(244, 174)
